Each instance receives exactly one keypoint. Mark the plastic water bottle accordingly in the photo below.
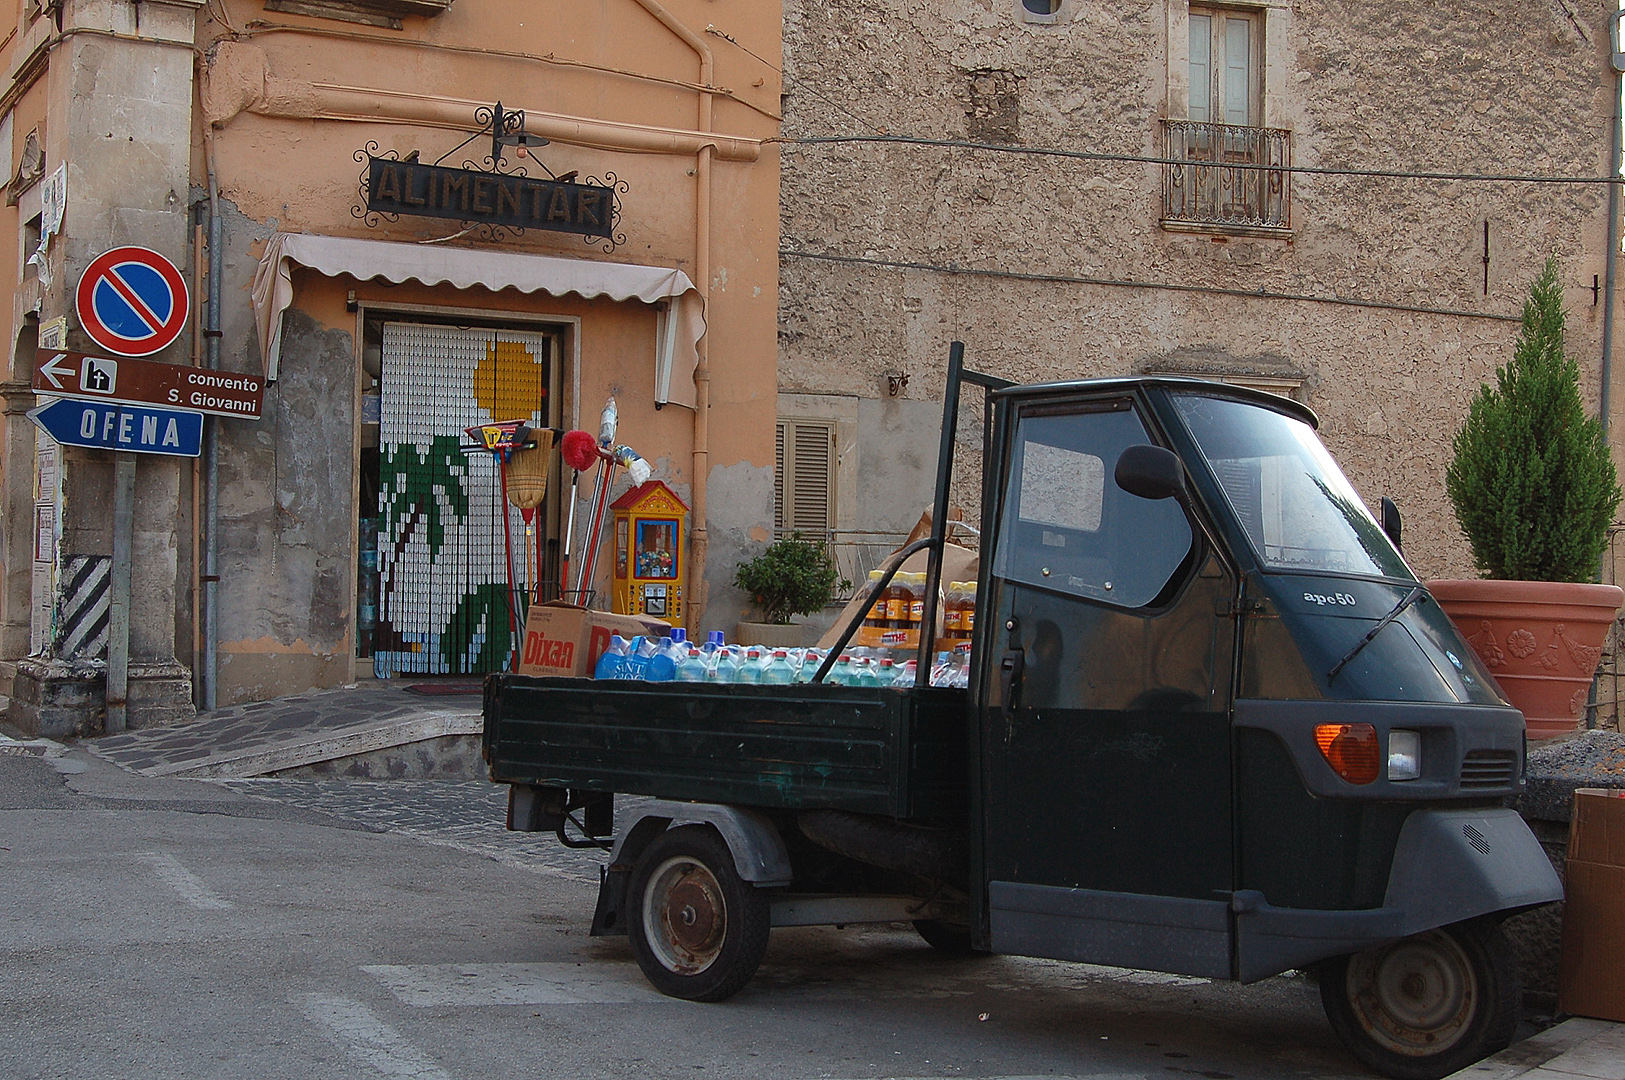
(724, 668)
(609, 664)
(904, 679)
(692, 669)
(811, 659)
(661, 665)
(885, 671)
(750, 670)
(941, 670)
(841, 672)
(778, 671)
(864, 673)
(961, 670)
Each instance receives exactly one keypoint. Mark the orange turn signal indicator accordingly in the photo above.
(1352, 750)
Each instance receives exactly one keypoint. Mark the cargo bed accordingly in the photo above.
(898, 753)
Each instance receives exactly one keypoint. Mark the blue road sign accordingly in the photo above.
(112, 425)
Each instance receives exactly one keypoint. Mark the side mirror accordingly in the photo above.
(1391, 524)
(1150, 472)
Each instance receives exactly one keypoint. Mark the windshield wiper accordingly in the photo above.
(1410, 598)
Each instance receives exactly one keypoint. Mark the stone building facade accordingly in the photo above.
(1383, 301)
(323, 173)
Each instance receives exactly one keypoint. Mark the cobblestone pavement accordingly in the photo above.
(327, 714)
(467, 815)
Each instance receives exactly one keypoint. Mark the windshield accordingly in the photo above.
(1289, 495)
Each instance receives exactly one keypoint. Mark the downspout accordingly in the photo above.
(702, 277)
(211, 451)
(1617, 63)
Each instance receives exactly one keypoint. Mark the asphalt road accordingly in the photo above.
(288, 930)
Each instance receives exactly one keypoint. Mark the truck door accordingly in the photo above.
(1105, 726)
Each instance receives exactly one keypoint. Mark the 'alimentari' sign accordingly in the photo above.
(524, 202)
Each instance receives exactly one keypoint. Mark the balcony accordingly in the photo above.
(1229, 179)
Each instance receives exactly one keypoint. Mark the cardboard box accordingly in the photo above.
(1591, 972)
(562, 639)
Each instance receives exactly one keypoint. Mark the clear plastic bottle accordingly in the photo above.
(609, 664)
(811, 659)
(904, 678)
(724, 666)
(778, 671)
(865, 673)
(941, 668)
(841, 673)
(750, 670)
(959, 675)
(885, 671)
(692, 669)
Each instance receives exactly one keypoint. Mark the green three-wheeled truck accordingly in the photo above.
(1214, 726)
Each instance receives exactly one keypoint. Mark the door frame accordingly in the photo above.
(569, 380)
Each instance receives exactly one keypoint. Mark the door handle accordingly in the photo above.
(1010, 672)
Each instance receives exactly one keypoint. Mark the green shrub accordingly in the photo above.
(1533, 483)
(794, 576)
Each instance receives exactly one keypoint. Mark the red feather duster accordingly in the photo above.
(579, 450)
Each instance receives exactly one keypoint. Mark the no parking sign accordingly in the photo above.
(132, 301)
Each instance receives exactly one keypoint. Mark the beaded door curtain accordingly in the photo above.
(443, 586)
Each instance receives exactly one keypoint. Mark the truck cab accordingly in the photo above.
(1215, 726)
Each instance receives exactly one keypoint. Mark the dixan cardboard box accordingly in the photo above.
(1591, 973)
(562, 639)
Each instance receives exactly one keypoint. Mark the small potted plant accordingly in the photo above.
(1534, 489)
(794, 576)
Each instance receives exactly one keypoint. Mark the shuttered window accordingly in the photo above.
(804, 476)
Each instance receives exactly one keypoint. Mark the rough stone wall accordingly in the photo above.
(1389, 85)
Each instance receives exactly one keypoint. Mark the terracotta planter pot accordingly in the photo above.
(1542, 640)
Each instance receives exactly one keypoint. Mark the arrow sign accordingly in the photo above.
(147, 382)
(109, 425)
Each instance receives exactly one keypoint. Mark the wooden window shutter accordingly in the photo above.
(804, 470)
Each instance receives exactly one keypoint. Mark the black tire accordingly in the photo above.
(1426, 1006)
(946, 938)
(698, 930)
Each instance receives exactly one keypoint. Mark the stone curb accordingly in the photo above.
(316, 747)
(1578, 1047)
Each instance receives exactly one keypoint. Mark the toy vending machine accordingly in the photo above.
(650, 570)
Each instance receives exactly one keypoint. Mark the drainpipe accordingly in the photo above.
(211, 450)
(1617, 63)
(702, 277)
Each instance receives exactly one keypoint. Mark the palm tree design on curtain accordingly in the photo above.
(410, 488)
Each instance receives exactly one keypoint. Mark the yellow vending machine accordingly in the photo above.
(650, 529)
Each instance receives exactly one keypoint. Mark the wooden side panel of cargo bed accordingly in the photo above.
(783, 747)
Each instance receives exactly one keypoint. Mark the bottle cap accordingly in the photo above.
(715, 638)
(679, 635)
(781, 654)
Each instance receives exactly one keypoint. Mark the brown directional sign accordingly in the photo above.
(146, 382)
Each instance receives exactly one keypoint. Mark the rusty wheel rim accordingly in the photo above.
(685, 917)
(1416, 997)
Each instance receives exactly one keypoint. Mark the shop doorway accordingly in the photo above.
(435, 560)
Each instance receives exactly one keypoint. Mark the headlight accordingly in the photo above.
(1404, 755)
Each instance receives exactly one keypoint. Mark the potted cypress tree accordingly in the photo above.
(1533, 486)
(794, 576)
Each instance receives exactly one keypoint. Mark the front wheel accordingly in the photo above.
(697, 929)
(1425, 1006)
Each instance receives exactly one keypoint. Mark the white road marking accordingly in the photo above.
(183, 881)
(593, 982)
(368, 1039)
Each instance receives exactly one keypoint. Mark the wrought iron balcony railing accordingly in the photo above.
(1220, 180)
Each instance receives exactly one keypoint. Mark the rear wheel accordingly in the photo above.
(697, 929)
(1427, 1005)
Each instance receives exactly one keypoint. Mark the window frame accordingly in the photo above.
(1217, 92)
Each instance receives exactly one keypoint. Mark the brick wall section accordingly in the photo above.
(1405, 85)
